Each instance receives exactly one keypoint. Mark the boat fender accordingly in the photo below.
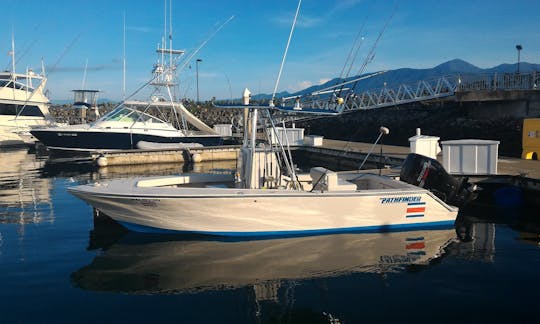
(196, 157)
(102, 161)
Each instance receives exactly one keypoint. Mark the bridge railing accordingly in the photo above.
(444, 86)
(498, 81)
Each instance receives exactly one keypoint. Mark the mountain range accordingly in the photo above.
(393, 78)
(408, 76)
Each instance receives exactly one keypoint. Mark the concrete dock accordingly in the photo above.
(199, 154)
(353, 152)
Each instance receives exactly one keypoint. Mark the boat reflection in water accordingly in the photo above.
(142, 264)
(127, 171)
(24, 195)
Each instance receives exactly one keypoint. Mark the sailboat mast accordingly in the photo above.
(170, 35)
(163, 42)
(124, 60)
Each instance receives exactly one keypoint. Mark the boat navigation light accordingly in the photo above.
(384, 130)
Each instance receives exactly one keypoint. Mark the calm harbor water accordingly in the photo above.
(59, 265)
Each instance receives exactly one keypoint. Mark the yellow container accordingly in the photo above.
(531, 139)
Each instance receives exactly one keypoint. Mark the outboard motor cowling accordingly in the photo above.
(428, 173)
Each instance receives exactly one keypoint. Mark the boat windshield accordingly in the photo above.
(129, 115)
(4, 83)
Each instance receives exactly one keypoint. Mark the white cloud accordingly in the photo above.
(300, 85)
(324, 80)
(345, 5)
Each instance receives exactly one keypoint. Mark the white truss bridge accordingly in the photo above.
(442, 87)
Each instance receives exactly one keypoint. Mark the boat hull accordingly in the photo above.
(88, 140)
(270, 212)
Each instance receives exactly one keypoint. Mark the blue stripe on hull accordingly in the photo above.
(361, 229)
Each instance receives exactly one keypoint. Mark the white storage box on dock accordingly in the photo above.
(470, 156)
(223, 129)
(425, 145)
(313, 140)
(294, 136)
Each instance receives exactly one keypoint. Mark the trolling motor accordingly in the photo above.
(428, 173)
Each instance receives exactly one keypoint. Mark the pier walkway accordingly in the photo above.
(353, 153)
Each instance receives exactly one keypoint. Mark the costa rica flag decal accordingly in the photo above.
(415, 209)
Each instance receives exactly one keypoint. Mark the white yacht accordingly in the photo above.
(153, 115)
(23, 106)
(130, 125)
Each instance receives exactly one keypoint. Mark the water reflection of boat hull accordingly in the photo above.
(123, 171)
(24, 194)
(187, 266)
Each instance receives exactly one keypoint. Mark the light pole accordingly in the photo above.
(519, 48)
(197, 68)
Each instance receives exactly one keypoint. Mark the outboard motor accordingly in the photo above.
(425, 172)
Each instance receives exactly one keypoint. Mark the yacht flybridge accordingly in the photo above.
(23, 106)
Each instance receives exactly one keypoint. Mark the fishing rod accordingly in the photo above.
(287, 159)
(286, 50)
(352, 58)
(371, 53)
(187, 60)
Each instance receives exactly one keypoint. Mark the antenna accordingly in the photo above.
(230, 90)
(42, 67)
(13, 54)
(84, 74)
(382, 131)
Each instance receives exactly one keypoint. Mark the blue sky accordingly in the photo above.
(248, 50)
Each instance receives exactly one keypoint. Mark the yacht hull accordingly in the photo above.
(88, 140)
